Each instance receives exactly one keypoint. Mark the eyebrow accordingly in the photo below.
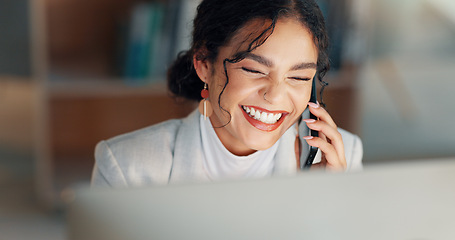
(301, 66)
(264, 61)
(260, 59)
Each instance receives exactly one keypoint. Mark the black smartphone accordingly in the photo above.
(306, 163)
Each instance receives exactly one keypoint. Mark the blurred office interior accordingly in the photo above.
(65, 84)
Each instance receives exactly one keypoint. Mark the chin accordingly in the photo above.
(261, 142)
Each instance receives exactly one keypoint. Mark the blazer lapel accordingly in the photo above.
(188, 156)
(285, 162)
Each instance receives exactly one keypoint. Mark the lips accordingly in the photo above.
(269, 118)
(262, 119)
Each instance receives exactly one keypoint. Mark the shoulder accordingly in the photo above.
(140, 157)
(353, 148)
(157, 134)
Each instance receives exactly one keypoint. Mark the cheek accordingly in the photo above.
(239, 85)
(225, 97)
(301, 98)
(237, 89)
(216, 84)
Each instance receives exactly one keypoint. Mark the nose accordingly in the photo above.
(273, 92)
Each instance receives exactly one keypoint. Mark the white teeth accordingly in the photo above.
(257, 115)
(264, 117)
(277, 116)
(271, 118)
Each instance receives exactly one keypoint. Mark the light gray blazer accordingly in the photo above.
(171, 152)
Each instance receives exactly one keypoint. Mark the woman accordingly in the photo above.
(251, 65)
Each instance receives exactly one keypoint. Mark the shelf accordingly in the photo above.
(86, 88)
(80, 53)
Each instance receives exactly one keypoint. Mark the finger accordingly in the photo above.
(323, 136)
(321, 113)
(317, 166)
(327, 133)
(329, 151)
(311, 122)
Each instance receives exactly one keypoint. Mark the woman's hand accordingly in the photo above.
(329, 141)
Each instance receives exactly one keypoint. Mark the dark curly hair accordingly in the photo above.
(217, 21)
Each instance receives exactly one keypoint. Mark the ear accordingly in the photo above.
(202, 68)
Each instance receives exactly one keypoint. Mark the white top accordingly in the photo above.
(219, 163)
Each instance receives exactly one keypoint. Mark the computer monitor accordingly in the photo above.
(412, 201)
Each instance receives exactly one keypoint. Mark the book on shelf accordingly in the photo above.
(143, 40)
(184, 25)
(156, 34)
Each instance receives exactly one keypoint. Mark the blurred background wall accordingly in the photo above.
(64, 84)
(406, 82)
(14, 43)
(15, 68)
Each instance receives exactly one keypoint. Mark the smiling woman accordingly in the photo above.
(266, 81)
(253, 63)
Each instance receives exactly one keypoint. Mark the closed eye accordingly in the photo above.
(252, 71)
(300, 79)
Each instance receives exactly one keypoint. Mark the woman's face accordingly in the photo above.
(267, 91)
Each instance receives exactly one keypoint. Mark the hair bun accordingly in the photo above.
(182, 78)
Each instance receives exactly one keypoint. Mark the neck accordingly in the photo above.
(232, 144)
